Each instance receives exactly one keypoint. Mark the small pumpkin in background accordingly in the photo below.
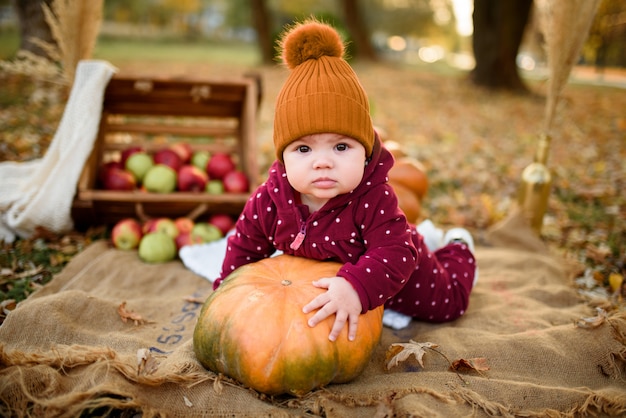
(407, 201)
(410, 173)
(252, 329)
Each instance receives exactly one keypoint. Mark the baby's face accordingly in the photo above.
(322, 166)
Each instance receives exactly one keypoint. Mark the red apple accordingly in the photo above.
(183, 150)
(118, 179)
(236, 182)
(104, 168)
(128, 152)
(187, 238)
(126, 234)
(168, 157)
(219, 165)
(148, 226)
(224, 222)
(192, 179)
(184, 224)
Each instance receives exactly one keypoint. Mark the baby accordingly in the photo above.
(327, 197)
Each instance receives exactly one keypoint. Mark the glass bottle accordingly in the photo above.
(535, 186)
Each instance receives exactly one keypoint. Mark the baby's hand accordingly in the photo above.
(340, 299)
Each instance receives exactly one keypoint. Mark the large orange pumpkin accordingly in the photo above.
(411, 174)
(252, 329)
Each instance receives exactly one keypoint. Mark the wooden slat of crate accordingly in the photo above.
(231, 103)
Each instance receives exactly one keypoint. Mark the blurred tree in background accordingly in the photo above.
(408, 31)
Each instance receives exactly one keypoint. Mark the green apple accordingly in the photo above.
(138, 164)
(157, 247)
(200, 159)
(206, 231)
(214, 187)
(160, 179)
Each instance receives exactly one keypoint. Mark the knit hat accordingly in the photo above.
(322, 93)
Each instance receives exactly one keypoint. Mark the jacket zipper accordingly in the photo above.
(297, 242)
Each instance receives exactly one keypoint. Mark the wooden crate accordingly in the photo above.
(212, 115)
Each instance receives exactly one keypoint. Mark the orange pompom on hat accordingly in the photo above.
(322, 93)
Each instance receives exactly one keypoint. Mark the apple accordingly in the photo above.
(165, 225)
(169, 157)
(160, 179)
(183, 150)
(186, 238)
(148, 226)
(184, 224)
(128, 152)
(192, 179)
(118, 179)
(219, 165)
(222, 221)
(104, 168)
(206, 231)
(200, 159)
(126, 234)
(138, 164)
(236, 182)
(215, 187)
(157, 247)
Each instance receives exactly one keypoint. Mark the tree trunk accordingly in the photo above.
(498, 30)
(32, 24)
(261, 19)
(360, 35)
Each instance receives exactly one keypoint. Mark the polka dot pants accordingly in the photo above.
(439, 289)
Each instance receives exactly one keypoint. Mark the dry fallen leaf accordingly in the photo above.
(593, 321)
(477, 364)
(129, 315)
(399, 352)
(146, 362)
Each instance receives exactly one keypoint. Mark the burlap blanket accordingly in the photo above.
(67, 351)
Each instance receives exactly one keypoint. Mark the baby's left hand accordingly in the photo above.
(341, 299)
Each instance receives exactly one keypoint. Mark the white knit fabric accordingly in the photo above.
(40, 192)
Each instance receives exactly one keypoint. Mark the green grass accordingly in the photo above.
(175, 50)
(9, 43)
(119, 50)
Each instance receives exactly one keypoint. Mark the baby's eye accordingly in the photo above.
(303, 148)
(341, 147)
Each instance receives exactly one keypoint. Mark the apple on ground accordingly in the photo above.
(236, 182)
(164, 225)
(186, 238)
(168, 157)
(200, 159)
(157, 247)
(118, 179)
(192, 179)
(215, 187)
(206, 231)
(126, 234)
(138, 164)
(160, 179)
(183, 150)
(222, 221)
(128, 152)
(148, 226)
(184, 224)
(219, 165)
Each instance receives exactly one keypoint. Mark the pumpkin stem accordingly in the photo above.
(285, 282)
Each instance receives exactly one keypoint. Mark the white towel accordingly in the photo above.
(39, 193)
